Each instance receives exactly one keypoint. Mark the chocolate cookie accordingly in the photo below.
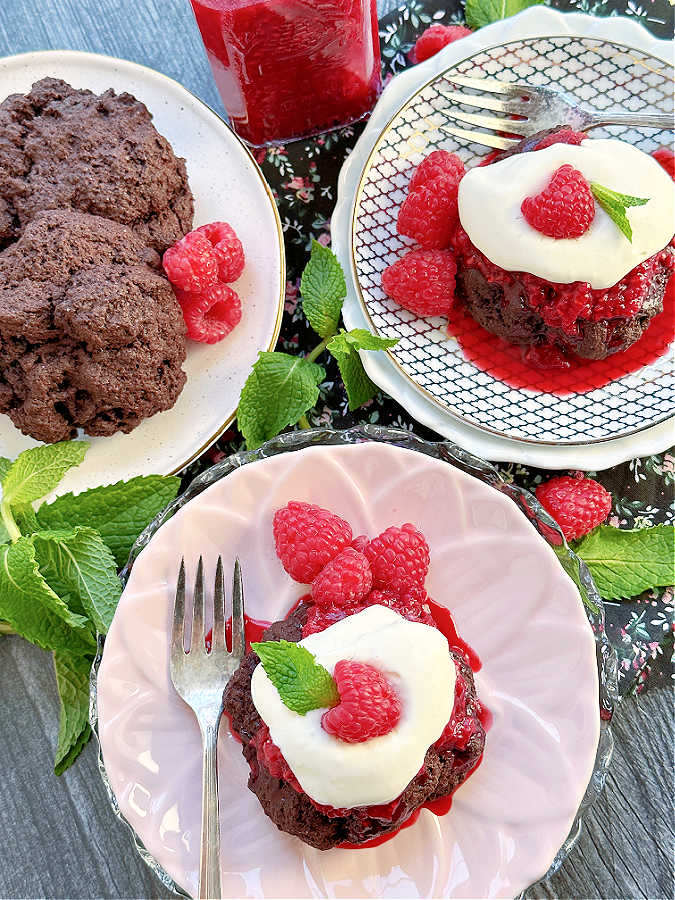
(91, 334)
(67, 148)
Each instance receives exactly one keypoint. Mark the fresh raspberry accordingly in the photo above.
(440, 162)
(435, 38)
(564, 209)
(307, 538)
(577, 504)
(666, 158)
(369, 706)
(271, 757)
(212, 314)
(422, 281)
(344, 581)
(321, 617)
(227, 249)
(429, 213)
(564, 136)
(191, 265)
(399, 558)
(361, 542)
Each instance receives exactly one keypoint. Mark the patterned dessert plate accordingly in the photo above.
(510, 600)
(227, 185)
(465, 384)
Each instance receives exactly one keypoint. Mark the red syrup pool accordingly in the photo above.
(443, 619)
(561, 374)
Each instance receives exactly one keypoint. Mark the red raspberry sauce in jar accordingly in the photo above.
(289, 68)
(548, 368)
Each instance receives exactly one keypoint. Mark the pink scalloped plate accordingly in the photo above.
(511, 602)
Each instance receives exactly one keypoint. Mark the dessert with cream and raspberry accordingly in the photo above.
(358, 709)
(563, 242)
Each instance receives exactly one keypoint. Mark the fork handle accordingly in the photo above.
(209, 855)
(650, 121)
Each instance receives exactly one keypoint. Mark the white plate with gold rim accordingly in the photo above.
(604, 62)
(227, 185)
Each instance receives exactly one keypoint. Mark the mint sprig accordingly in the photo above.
(482, 12)
(615, 205)
(58, 567)
(282, 388)
(626, 562)
(302, 683)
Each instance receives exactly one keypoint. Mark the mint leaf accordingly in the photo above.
(482, 12)
(119, 512)
(37, 471)
(279, 390)
(345, 347)
(4, 467)
(72, 679)
(25, 518)
(323, 290)
(33, 609)
(615, 205)
(624, 563)
(78, 564)
(302, 683)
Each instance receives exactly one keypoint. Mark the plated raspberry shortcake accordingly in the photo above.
(359, 708)
(565, 241)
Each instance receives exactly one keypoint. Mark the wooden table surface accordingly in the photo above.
(58, 836)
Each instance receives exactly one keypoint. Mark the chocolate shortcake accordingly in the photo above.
(563, 241)
(355, 710)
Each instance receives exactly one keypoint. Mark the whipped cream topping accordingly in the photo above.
(416, 660)
(489, 209)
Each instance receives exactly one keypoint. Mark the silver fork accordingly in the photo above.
(200, 678)
(540, 108)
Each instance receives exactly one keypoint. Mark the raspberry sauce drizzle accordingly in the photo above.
(254, 632)
(552, 371)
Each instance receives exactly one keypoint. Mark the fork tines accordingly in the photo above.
(511, 102)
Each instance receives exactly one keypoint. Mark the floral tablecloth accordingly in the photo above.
(303, 177)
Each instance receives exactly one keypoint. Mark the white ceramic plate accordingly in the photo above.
(427, 372)
(227, 185)
(510, 600)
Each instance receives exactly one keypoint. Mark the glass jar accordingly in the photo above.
(286, 69)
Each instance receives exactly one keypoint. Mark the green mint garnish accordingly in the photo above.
(615, 205)
(483, 12)
(344, 347)
(58, 567)
(625, 562)
(282, 388)
(302, 683)
(323, 290)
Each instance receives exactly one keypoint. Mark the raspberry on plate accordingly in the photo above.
(577, 504)
(565, 208)
(439, 162)
(399, 558)
(563, 136)
(190, 264)
(429, 213)
(344, 581)
(666, 159)
(412, 605)
(227, 249)
(211, 314)
(307, 537)
(435, 38)
(369, 706)
(422, 281)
